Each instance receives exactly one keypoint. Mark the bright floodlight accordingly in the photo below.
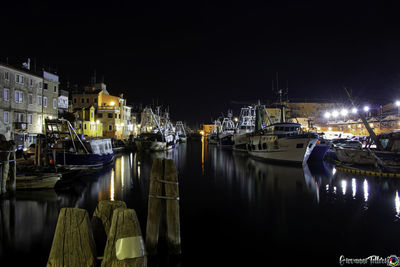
(397, 103)
(354, 110)
(327, 115)
(366, 108)
(344, 112)
(335, 113)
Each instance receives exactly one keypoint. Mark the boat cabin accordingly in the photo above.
(283, 129)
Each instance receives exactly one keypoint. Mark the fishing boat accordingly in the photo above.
(180, 130)
(156, 134)
(213, 136)
(386, 155)
(283, 142)
(228, 129)
(241, 137)
(66, 149)
(321, 148)
(381, 151)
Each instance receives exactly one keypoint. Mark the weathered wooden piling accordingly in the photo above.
(7, 151)
(101, 222)
(125, 246)
(73, 243)
(154, 207)
(163, 187)
(172, 207)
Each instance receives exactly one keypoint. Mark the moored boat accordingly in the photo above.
(282, 142)
(67, 150)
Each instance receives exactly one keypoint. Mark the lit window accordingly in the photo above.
(45, 102)
(29, 119)
(5, 117)
(6, 94)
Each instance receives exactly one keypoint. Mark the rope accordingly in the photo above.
(163, 181)
(164, 197)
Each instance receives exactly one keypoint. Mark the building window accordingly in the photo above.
(5, 117)
(19, 79)
(95, 101)
(87, 100)
(110, 115)
(115, 115)
(85, 126)
(82, 100)
(45, 86)
(74, 100)
(30, 99)
(31, 82)
(18, 117)
(6, 94)
(55, 88)
(100, 115)
(39, 100)
(40, 85)
(29, 119)
(91, 115)
(45, 102)
(6, 76)
(18, 97)
(110, 127)
(55, 103)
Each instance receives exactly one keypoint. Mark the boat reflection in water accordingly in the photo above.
(230, 204)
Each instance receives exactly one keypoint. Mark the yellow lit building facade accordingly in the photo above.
(111, 111)
(87, 123)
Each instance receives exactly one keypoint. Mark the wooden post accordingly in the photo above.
(5, 147)
(101, 222)
(73, 243)
(125, 243)
(13, 169)
(154, 207)
(163, 176)
(172, 207)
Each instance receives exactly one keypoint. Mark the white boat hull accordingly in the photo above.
(241, 141)
(285, 149)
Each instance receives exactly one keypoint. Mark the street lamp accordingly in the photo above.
(335, 113)
(366, 108)
(344, 112)
(327, 115)
(354, 110)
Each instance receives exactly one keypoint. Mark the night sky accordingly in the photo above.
(199, 56)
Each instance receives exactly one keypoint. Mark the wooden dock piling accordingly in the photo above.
(163, 188)
(73, 243)
(154, 207)
(125, 246)
(101, 222)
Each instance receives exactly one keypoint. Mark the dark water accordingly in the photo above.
(235, 211)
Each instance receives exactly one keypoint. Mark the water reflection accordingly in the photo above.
(310, 208)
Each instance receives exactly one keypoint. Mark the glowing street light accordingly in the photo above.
(366, 108)
(327, 115)
(397, 103)
(344, 112)
(335, 113)
(354, 110)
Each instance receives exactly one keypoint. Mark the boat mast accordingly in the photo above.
(364, 120)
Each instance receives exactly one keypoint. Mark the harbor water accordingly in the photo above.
(235, 211)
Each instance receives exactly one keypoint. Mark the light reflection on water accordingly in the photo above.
(223, 193)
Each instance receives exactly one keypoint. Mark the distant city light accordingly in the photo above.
(327, 115)
(354, 110)
(397, 103)
(366, 108)
(335, 113)
(343, 112)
